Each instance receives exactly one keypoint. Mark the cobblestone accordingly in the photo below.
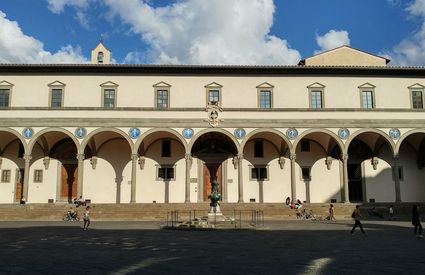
(280, 247)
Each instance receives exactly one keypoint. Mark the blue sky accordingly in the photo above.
(209, 31)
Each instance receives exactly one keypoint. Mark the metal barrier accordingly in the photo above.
(253, 217)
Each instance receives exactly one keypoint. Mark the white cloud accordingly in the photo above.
(16, 47)
(411, 50)
(332, 39)
(58, 6)
(134, 58)
(207, 32)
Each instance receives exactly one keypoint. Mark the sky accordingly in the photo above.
(221, 32)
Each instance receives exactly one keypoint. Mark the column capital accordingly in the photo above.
(344, 157)
(134, 157)
(27, 157)
(188, 157)
(293, 156)
(240, 157)
(396, 157)
(80, 157)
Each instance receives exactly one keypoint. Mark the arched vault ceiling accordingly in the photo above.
(6, 138)
(415, 140)
(151, 138)
(375, 141)
(103, 137)
(275, 139)
(326, 141)
(50, 139)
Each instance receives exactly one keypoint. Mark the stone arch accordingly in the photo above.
(18, 136)
(102, 130)
(323, 131)
(404, 136)
(49, 130)
(209, 130)
(267, 130)
(369, 130)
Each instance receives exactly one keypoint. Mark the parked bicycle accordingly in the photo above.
(71, 215)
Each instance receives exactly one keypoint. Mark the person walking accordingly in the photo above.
(357, 216)
(87, 218)
(391, 212)
(416, 221)
(331, 213)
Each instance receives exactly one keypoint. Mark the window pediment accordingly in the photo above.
(56, 83)
(265, 85)
(162, 84)
(213, 85)
(6, 84)
(367, 85)
(416, 86)
(109, 84)
(316, 85)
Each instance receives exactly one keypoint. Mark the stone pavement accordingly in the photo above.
(280, 247)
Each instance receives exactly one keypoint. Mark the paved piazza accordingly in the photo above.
(280, 247)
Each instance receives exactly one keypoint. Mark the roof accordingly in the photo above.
(303, 61)
(236, 70)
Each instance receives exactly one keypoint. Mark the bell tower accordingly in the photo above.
(100, 54)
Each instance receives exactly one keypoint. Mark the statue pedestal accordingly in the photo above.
(215, 214)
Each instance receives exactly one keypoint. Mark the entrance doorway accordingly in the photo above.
(19, 189)
(355, 188)
(69, 176)
(211, 172)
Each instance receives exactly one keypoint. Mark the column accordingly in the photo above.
(240, 179)
(345, 177)
(188, 158)
(307, 191)
(27, 159)
(396, 173)
(134, 158)
(292, 156)
(80, 158)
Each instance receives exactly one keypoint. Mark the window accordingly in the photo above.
(259, 173)
(367, 100)
(109, 98)
(265, 99)
(162, 99)
(417, 99)
(316, 99)
(305, 172)
(56, 98)
(305, 145)
(5, 176)
(165, 173)
(265, 95)
(316, 92)
(258, 149)
(100, 57)
(166, 148)
(213, 95)
(367, 96)
(109, 94)
(4, 97)
(162, 95)
(38, 175)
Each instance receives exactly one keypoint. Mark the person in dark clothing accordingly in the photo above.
(416, 221)
(357, 216)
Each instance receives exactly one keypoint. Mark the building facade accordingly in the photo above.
(341, 126)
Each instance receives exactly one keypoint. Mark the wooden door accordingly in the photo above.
(208, 169)
(69, 182)
(19, 189)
